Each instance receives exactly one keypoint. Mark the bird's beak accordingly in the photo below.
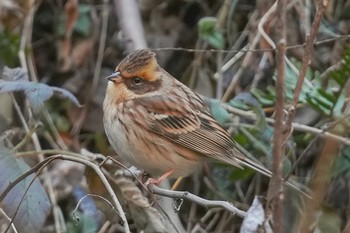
(114, 76)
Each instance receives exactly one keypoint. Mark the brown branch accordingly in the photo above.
(275, 191)
(306, 59)
(319, 184)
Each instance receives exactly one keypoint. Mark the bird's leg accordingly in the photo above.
(160, 179)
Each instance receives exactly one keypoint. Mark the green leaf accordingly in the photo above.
(330, 97)
(337, 108)
(329, 222)
(82, 224)
(249, 101)
(266, 99)
(83, 25)
(220, 114)
(87, 218)
(318, 107)
(324, 99)
(322, 102)
(36, 93)
(35, 206)
(9, 44)
(210, 32)
(241, 139)
(342, 164)
(61, 122)
(238, 104)
(286, 166)
(241, 174)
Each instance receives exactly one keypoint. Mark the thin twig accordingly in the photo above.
(201, 201)
(295, 126)
(219, 87)
(193, 207)
(97, 72)
(26, 34)
(37, 147)
(228, 64)
(25, 41)
(25, 139)
(107, 185)
(240, 70)
(133, 197)
(74, 212)
(263, 20)
(28, 43)
(3, 214)
(47, 152)
(250, 50)
(306, 59)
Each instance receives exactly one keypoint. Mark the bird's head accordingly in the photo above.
(136, 75)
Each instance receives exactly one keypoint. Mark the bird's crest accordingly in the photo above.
(141, 62)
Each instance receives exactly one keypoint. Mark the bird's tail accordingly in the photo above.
(245, 161)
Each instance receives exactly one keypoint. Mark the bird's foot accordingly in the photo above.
(160, 179)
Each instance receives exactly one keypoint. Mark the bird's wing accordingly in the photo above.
(186, 122)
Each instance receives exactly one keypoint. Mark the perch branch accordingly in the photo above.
(191, 197)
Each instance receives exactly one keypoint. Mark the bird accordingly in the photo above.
(159, 125)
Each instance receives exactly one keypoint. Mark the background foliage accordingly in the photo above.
(55, 54)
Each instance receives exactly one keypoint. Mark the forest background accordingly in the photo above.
(275, 74)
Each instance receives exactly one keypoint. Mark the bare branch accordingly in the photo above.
(319, 184)
(201, 201)
(250, 50)
(306, 59)
(275, 191)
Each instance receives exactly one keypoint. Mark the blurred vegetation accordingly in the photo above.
(48, 57)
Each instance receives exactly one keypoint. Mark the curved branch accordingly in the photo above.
(82, 160)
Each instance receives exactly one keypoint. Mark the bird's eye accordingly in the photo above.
(137, 80)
